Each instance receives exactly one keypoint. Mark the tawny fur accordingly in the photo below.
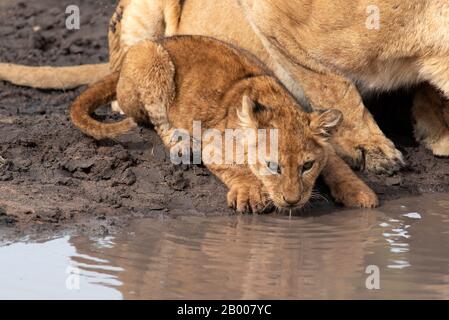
(176, 81)
(53, 77)
(86, 104)
(432, 110)
(321, 50)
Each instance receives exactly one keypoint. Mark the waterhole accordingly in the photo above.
(395, 252)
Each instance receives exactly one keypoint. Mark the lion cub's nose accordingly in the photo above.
(291, 199)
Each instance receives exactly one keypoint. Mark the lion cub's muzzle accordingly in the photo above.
(291, 200)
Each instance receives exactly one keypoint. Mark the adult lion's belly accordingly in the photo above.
(388, 75)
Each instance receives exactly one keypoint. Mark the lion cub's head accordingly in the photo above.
(289, 174)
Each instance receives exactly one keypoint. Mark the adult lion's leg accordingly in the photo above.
(137, 20)
(431, 116)
(359, 140)
(431, 105)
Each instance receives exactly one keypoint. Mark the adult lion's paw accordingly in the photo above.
(378, 155)
(439, 146)
(381, 156)
(248, 198)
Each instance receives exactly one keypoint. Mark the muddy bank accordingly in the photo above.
(54, 178)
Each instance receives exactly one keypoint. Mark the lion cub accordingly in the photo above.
(176, 81)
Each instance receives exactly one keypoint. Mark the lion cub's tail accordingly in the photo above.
(53, 77)
(94, 97)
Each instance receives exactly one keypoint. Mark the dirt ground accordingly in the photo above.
(53, 178)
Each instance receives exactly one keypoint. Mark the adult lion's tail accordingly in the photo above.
(94, 97)
(53, 77)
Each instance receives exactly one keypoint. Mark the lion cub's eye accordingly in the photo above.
(274, 167)
(307, 166)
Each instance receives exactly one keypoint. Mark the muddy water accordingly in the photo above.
(324, 255)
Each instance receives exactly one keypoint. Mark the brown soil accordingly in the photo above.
(56, 179)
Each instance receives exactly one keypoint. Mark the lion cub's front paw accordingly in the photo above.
(248, 198)
(358, 196)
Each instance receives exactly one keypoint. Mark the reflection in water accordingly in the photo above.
(48, 271)
(252, 257)
(240, 257)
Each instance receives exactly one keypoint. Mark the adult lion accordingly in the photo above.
(325, 52)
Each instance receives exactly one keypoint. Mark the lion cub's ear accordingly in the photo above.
(248, 114)
(324, 122)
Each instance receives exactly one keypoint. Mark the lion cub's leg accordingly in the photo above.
(345, 186)
(147, 87)
(359, 140)
(246, 192)
(431, 114)
(137, 20)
